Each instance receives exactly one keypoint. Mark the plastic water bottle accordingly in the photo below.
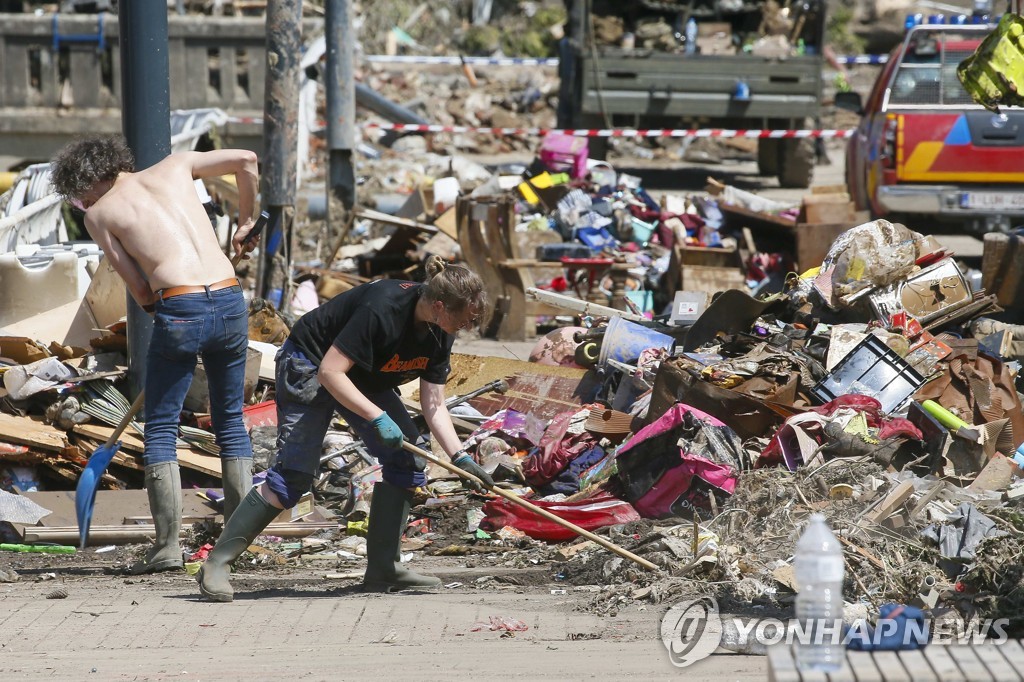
(691, 36)
(818, 566)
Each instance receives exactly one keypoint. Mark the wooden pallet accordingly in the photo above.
(952, 663)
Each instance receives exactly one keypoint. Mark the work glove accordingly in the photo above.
(466, 462)
(387, 430)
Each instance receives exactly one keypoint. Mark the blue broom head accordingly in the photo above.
(88, 484)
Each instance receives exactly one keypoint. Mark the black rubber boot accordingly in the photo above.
(389, 510)
(236, 476)
(163, 486)
(252, 516)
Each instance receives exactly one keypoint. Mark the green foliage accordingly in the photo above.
(518, 35)
(481, 40)
(838, 33)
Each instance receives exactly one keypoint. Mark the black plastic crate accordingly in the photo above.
(871, 369)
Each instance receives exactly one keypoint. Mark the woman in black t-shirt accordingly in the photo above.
(349, 356)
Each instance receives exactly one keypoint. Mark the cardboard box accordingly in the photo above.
(827, 208)
(814, 240)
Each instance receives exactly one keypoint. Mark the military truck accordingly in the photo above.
(732, 64)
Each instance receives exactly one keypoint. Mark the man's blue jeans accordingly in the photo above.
(213, 325)
(304, 413)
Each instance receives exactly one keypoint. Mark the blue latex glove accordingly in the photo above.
(387, 430)
(469, 465)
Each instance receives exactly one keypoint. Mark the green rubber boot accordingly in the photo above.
(389, 510)
(252, 516)
(163, 486)
(236, 475)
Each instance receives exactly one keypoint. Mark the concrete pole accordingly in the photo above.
(280, 132)
(341, 116)
(146, 122)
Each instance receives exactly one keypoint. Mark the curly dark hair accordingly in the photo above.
(83, 163)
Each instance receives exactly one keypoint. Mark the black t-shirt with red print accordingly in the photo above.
(373, 324)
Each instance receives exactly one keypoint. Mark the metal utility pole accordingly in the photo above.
(341, 116)
(146, 122)
(280, 132)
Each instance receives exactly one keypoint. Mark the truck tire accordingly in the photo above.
(768, 156)
(796, 162)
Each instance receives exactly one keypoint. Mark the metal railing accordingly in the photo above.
(65, 61)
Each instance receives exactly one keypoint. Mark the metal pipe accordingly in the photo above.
(581, 307)
(280, 127)
(146, 123)
(112, 535)
(341, 116)
(369, 98)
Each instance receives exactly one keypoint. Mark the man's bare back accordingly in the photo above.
(153, 227)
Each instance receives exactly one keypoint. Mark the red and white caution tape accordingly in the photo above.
(613, 132)
(552, 61)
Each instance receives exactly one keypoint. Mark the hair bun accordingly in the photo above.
(434, 266)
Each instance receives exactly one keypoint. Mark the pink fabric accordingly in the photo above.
(668, 421)
(664, 496)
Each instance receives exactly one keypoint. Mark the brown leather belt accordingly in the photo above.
(198, 289)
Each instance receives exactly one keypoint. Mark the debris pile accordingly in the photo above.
(709, 371)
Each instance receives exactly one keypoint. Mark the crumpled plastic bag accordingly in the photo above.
(965, 530)
(22, 381)
(19, 509)
(871, 255)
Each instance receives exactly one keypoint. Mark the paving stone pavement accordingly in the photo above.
(158, 629)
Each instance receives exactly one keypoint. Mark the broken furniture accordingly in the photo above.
(487, 238)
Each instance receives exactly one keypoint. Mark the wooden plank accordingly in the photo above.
(781, 664)
(32, 431)
(863, 666)
(1002, 669)
(1014, 653)
(863, 552)
(889, 663)
(967, 660)
(923, 501)
(111, 507)
(377, 216)
(943, 664)
(917, 665)
(892, 502)
(187, 457)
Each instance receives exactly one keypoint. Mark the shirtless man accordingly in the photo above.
(154, 230)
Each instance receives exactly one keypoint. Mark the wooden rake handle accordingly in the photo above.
(515, 499)
(126, 419)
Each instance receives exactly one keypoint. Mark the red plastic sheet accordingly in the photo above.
(590, 514)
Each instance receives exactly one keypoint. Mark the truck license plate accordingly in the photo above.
(992, 201)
